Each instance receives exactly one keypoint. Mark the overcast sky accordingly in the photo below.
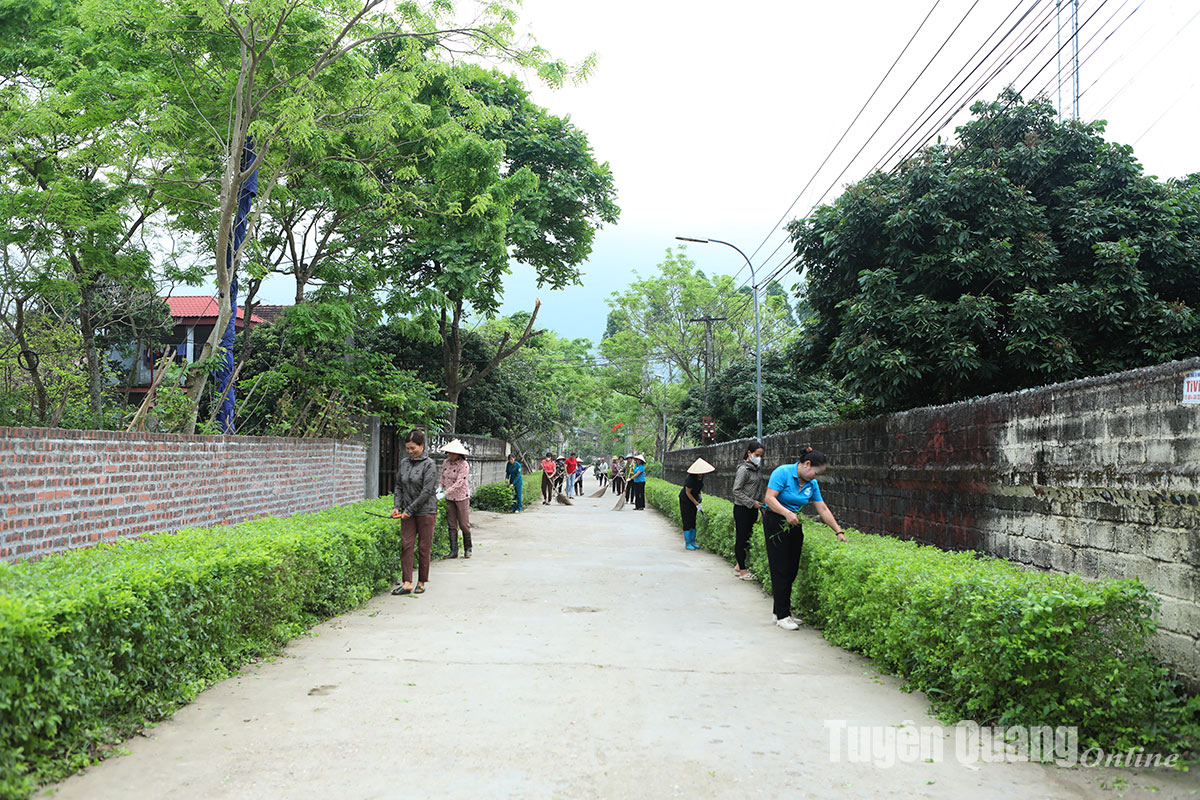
(714, 115)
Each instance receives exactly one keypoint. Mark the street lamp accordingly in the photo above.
(757, 334)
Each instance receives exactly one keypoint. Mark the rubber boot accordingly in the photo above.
(453, 545)
(690, 536)
(467, 544)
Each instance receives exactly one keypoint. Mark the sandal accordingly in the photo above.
(419, 590)
(401, 590)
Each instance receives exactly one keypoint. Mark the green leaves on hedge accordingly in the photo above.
(95, 643)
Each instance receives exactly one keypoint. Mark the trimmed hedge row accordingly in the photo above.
(984, 638)
(96, 643)
(494, 497)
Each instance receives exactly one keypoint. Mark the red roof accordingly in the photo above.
(201, 307)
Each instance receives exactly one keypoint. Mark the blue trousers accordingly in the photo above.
(518, 488)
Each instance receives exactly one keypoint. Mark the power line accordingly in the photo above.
(845, 132)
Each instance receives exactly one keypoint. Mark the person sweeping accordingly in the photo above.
(689, 500)
(548, 467)
(638, 481)
(792, 486)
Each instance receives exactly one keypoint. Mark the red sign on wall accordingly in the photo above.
(1191, 389)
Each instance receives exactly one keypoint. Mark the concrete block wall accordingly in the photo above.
(1098, 477)
(488, 459)
(64, 489)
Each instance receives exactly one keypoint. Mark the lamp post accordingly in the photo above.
(757, 333)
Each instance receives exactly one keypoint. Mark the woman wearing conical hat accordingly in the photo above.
(456, 484)
(689, 500)
(638, 481)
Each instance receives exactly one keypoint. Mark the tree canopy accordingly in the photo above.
(1032, 252)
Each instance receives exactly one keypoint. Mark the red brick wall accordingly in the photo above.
(63, 489)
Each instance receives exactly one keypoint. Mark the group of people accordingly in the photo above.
(779, 500)
(564, 475)
(419, 486)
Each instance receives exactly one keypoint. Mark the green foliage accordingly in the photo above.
(96, 643)
(309, 375)
(493, 497)
(984, 638)
(657, 354)
(1035, 253)
(793, 399)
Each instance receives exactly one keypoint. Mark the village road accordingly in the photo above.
(582, 653)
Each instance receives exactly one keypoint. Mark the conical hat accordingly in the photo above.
(639, 457)
(455, 446)
(701, 467)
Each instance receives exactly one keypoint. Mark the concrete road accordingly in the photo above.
(582, 653)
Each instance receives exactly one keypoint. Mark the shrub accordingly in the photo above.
(493, 497)
(532, 493)
(96, 643)
(985, 638)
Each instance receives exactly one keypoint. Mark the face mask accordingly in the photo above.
(756, 460)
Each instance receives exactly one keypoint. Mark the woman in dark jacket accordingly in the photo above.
(689, 500)
(416, 508)
(749, 485)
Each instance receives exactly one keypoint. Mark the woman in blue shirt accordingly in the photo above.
(639, 482)
(792, 486)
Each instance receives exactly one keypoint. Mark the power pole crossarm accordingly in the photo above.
(708, 350)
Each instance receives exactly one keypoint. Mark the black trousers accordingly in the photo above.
(639, 495)
(547, 488)
(743, 523)
(784, 544)
(687, 511)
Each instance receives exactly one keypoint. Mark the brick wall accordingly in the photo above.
(1098, 477)
(62, 489)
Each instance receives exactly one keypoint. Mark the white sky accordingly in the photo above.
(714, 115)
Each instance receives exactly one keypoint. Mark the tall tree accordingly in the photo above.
(276, 78)
(1034, 252)
(517, 184)
(75, 169)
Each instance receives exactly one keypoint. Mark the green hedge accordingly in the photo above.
(532, 493)
(984, 638)
(96, 643)
(494, 497)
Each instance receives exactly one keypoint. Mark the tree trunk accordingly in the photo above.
(39, 387)
(88, 330)
(452, 347)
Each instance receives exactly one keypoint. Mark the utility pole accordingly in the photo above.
(1075, 55)
(757, 327)
(708, 321)
(1058, 19)
(1074, 58)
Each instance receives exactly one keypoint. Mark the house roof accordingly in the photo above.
(202, 307)
(269, 314)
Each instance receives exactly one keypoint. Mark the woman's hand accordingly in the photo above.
(396, 513)
(841, 536)
(791, 518)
